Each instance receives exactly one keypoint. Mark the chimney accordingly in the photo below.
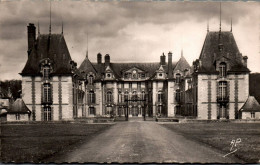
(162, 60)
(245, 60)
(31, 30)
(170, 65)
(99, 58)
(107, 60)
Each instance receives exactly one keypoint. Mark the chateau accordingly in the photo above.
(216, 86)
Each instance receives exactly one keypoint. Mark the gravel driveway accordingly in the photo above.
(143, 141)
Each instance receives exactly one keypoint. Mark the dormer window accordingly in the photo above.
(178, 78)
(160, 74)
(90, 79)
(223, 69)
(46, 72)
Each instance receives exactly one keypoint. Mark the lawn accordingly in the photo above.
(37, 142)
(220, 135)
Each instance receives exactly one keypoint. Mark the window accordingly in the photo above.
(17, 116)
(90, 78)
(178, 95)
(223, 69)
(222, 90)
(160, 74)
(108, 75)
(130, 85)
(47, 113)
(46, 72)
(109, 97)
(120, 97)
(160, 96)
(143, 95)
(139, 85)
(47, 93)
(126, 75)
(91, 97)
(134, 94)
(92, 111)
(252, 114)
(143, 75)
(126, 95)
(178, 78)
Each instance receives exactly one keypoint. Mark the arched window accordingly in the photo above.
(91, 97)
(160, 96)
(90, 79)
(109, 97)
(222, 90)
(178, 78)
(223, 69)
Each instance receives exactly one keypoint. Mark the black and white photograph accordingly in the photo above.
(114, 81)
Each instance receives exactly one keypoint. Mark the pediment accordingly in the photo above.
(134, 69)
(161, 69)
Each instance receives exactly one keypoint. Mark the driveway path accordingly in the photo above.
(139, 141)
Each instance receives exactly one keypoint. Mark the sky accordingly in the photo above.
(127, 31)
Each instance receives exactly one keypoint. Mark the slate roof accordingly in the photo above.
(53, 47)
(18, 107)
(118, 68)
(251, 104)
(230, 50)
(182, 64)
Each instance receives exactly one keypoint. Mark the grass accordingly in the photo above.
(37, 142)
(220, 135)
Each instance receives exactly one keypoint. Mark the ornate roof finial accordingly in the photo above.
(220, 18)
(231, 25)
(87, 46)
(50, 19)
(182, 52)
(208, 25)
(62, 27)
(38, 28)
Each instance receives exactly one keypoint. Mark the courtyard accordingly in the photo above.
(132, 141)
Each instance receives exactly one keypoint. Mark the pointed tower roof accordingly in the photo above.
(210, 52)
(182, 64)
(87, 66)
(251, 104)
(53, 47)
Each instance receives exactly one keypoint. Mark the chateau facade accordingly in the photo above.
(216, 86)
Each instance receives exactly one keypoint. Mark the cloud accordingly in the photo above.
(126, 30)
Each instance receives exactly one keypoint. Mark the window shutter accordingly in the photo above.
(217, 91)
(42, 114)
(228, 89)
(88, 96)
(51, 92)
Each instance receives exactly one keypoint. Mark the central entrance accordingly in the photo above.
(135, 107)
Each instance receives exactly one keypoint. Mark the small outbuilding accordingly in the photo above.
(251, 109)
(18, 111)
